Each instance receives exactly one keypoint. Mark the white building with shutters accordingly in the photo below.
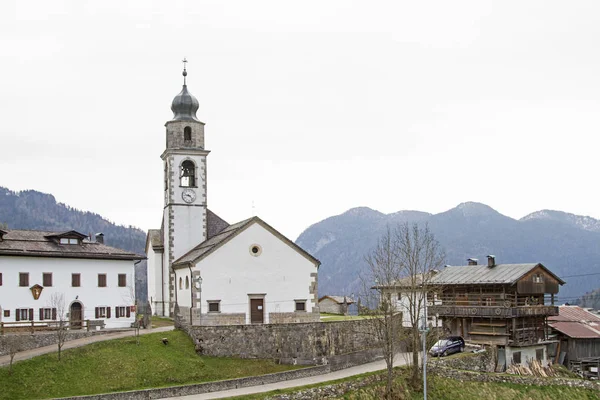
(95, 281)
(214, 272)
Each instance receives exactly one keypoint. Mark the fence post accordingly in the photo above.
(32, 328)
(87, 322)
(1, 328)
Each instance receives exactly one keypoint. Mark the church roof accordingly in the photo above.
(212, 244)
(214, 225)
(27, 243)
(154, 239)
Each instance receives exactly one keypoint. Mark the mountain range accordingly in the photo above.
(567, 244)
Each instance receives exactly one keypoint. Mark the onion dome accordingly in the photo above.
(184, 105)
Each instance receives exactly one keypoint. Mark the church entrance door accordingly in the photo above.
(256, 311)
(75, 315)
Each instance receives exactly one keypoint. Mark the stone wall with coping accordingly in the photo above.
(208, 387)
(41, 339)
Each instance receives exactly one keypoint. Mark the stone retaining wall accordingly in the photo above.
(41, 339)
(208, 387)
(313, 342)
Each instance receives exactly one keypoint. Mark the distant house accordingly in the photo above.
(335, 304)
(96, 280)
(499, 304)
(577, 332)
(406, 295)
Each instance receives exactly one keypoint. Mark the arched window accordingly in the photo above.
(187, 282)
(187, 133)
(188, 174)
(180, 283)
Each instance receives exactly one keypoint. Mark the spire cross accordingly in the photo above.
(184, 69)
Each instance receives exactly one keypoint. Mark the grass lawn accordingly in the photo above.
(157, 322)
(325, 317)
(119, 365)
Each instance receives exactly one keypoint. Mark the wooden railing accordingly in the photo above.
(33, 326)
(494, 300)
(491, 311)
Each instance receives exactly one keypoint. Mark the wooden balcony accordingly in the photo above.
(445, 310)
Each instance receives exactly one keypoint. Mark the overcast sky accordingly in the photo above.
(311, 107)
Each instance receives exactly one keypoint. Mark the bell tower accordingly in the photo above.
(184, 162)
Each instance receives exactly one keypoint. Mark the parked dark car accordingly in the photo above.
(450, 345)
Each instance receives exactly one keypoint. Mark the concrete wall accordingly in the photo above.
(527, 353)
(157, 286)
(232, 275)
(315, 342)
(13, 297)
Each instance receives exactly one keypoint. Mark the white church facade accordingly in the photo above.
(214, 272)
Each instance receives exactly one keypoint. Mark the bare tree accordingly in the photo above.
(401, 267)
(384, 270)
(420, 257)
(59, 307)
(132, 299)
(14, 343)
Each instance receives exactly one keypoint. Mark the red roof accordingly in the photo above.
(576, 322)
(577, 330)
(574, 313)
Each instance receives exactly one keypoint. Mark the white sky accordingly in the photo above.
(311, 107)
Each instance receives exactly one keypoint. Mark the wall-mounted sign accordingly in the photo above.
(36, 290)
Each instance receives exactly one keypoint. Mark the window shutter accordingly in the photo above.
(17, 315)
(116, 312)
(107, 312)
(54, 314)
(31, 314)
(128, 312)
(96, 312)
(41, 314)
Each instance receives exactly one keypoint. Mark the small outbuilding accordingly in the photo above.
(578, 333)
(335, 304)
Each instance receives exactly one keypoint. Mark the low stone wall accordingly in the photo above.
(41, 339)
(313, 342)
(208, 387)
(471, 376)
(478, 362)
(214, 319)
(293, 317)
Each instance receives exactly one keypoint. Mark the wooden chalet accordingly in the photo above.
(497, 304)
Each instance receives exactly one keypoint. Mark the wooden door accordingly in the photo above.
(256, 311)
(75, 315)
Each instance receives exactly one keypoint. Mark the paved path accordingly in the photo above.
(400, 359)
(24, 355)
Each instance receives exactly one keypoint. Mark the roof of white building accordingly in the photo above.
(29, 243)
(208, 246)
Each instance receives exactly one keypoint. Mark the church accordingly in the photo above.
(213, 272)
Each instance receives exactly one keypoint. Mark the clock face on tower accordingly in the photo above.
(188, 195)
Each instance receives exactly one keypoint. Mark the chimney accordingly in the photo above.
(472, 261)
(100, 238)
(491, 260)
